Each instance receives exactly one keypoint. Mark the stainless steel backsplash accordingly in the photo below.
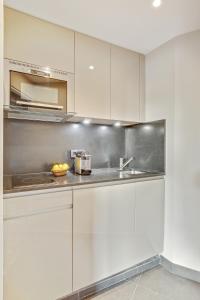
(146, 143)
(33, 146)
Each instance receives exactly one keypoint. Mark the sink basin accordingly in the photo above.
(130, 173)
(133, 172)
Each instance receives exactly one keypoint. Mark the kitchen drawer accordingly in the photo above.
(37, 203)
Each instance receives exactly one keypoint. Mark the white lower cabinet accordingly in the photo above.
(115, 227)
(38, 246)
(103, 224)
(149, 218)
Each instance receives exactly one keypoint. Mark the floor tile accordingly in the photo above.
(145, 294)
(189, 290)
(164, 283)
(124, 291)
(156, 284)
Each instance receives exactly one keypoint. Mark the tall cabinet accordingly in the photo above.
(92, 77)
(125, 84)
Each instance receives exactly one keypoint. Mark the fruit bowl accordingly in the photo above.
(60, 169)
(59, 173)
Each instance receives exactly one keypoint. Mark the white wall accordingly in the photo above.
(173, 92)
(1, 148)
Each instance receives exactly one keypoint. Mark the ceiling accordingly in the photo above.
(134, 24)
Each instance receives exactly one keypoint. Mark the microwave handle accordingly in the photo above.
(39, 105)
(40, 73)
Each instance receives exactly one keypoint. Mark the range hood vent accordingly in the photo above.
(13, 112)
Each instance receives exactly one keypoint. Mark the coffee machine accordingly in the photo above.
(82, 163)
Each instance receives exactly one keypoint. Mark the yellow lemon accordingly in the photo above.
(61, 167)
(65, 167)
(55, 168)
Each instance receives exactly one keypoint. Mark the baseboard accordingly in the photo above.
(180, 270)
(127, 274)
(114, 280)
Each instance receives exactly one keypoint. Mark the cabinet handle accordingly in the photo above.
(40, 73)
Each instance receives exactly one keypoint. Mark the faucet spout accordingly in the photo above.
(123, 165)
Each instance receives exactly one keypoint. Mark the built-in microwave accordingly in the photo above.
(34, 89)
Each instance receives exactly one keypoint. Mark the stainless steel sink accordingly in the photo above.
(130, 173)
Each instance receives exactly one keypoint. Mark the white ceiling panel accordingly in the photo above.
(134, 24)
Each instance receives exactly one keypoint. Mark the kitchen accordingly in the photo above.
(95, 141)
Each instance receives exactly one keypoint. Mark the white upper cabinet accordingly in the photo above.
(125, 84)
(92, 77)
(32, 40)
(109, 80)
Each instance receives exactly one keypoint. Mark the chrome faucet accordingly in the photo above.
(123, 164)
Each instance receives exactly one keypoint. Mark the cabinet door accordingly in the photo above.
(149, 218)
(103, 223)
(32, 40)
(38, 253)
(125, 84)
(92, 77)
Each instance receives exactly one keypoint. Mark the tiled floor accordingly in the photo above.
(156, 284)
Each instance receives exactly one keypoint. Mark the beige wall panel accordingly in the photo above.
(173, 92)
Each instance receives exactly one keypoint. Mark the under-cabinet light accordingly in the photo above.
(86, 121)
(117, 124)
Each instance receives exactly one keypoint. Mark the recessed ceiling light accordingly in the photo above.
(157, 3)
(86, 121)
(91, 67)
(117, 124)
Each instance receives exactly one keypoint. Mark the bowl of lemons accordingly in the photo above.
(60, 169)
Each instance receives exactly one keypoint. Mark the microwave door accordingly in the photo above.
(18, 93)
(37, 92)
(30, 102)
